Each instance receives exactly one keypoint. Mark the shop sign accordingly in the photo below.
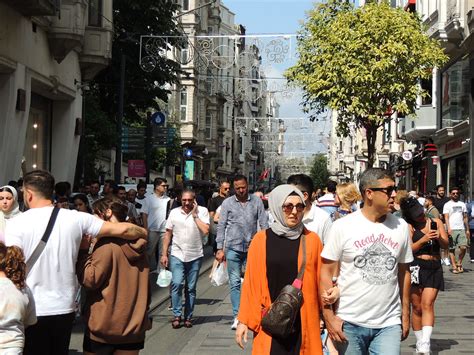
(407, 155)
(136, 168)
(453, 146)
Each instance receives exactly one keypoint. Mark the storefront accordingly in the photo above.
(37, 150)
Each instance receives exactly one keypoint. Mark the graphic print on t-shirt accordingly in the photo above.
(457, 209)
(376, 262)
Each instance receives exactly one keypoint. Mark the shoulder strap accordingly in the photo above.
(42, 243)
(303, 262)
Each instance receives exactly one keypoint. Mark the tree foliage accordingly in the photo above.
(319, 171)
(364, 63)
(131, 20)
(144, 91)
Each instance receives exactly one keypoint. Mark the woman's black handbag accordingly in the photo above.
(278, 320)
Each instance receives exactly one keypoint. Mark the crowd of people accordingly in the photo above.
(366, 260)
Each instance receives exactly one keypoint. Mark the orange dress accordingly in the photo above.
(255, 295)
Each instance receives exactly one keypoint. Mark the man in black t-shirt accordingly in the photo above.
(214, 203)
(439, 202)
(440, 198)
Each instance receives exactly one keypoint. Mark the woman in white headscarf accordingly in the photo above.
(9, 207)
(273, 261)
(9, 201)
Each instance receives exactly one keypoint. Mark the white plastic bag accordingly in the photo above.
(220, 276)
(164, 278)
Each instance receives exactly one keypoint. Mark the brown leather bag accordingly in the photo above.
(278, 320)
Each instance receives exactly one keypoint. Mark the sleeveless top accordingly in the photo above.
(430, 248)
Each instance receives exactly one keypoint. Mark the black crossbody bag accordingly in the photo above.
(42, 243)
(279, 319)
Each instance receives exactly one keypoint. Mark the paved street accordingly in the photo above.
(211, 335)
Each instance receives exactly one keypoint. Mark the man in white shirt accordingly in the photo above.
(185, 228)
(455, 216)
(373, 249)
(154, 218)
(52, 278)
(314, 219)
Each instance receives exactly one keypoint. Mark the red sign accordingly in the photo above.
(136, 168)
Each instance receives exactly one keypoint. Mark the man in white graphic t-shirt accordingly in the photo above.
(373, 249)
(455, 216)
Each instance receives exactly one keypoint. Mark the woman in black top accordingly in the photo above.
(428, 237)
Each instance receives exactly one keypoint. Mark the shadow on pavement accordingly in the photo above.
(212, 319)
(207, 301)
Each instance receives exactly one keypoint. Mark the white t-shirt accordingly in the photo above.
(155, 209)
(53, 278)
(186, 244)
(318, 221)
(369, 254)
(17, 311)
(456, 212)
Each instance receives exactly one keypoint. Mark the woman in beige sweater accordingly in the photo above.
(115, 276)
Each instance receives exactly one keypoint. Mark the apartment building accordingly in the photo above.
(48, 50)
(221, 98)
(441, 130)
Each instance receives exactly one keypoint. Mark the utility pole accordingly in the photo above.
(118, 149)
(148, 146)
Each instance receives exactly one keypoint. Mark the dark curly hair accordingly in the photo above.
(12, 263)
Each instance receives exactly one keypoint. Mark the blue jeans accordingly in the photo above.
(236, 260)
(182, 271)
(362, 341)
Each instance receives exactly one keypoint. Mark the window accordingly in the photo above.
(185, 6)
(184, 59)
(456, 89)
(209, 82)
(183, 104)
(427, 86)
(95, 13)
(208, 125)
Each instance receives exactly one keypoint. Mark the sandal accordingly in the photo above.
(188, 323)
(459, 267)
(176, 322)
(455, 271)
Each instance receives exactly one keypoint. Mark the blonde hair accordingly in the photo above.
(348, 195)
(401, 195)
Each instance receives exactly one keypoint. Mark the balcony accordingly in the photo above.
(35, 7)
(422, 126)
(96, 51)
(67, 32)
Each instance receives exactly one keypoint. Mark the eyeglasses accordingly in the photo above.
(454, 193)
(164, 185)
(388, 190)
(288, 208)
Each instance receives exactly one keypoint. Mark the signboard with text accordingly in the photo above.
(136, 168)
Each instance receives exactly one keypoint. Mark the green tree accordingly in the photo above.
(365, 63)
(319, 171)
(142, 89)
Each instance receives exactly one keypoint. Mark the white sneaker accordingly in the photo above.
(423, 348)
(447, 262)
(234, 324)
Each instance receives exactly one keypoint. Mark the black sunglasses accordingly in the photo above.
(288, 208)
(388, 190)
